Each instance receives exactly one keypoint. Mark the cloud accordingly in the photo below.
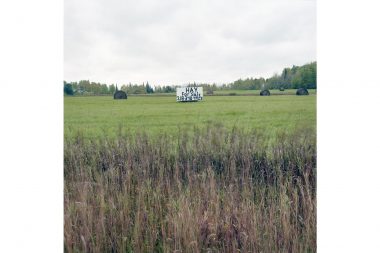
(176, 42)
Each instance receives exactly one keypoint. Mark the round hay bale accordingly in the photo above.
(264, 93)
(302, 92)
(120, 95)
(210, 92)
(282, 88)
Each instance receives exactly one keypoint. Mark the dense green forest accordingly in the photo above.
(290, 78)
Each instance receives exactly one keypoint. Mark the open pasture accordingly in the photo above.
(227, 174)
(102, 116)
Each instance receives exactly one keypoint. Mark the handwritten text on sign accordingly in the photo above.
(189, 94)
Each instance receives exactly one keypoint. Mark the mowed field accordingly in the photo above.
(103, 116)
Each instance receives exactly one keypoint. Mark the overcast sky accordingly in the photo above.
(170, 42)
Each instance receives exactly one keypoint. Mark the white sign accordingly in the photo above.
(188, 94)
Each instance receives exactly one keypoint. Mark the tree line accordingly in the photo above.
(290, 78)
(85, 87)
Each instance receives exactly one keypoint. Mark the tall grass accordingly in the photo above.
(206, 190)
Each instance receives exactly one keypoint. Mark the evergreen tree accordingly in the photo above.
(68, 88)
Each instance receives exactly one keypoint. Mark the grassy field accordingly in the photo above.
(228, 174)
(104, 116)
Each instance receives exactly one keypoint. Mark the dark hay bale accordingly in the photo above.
(120, 95)
(302, 92)
(282, 89)
(210, 92)
(264, 93)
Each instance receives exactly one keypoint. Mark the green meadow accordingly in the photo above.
(226, 174)
(102, 116)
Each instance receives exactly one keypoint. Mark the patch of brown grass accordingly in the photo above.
(204, 191)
